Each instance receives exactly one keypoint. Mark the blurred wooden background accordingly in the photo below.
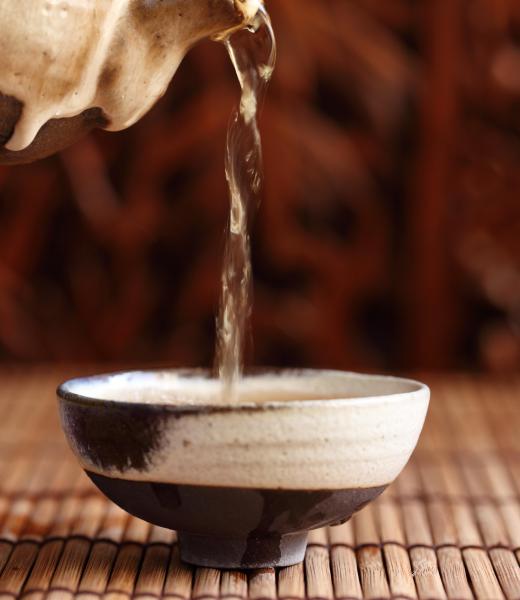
(389, 236)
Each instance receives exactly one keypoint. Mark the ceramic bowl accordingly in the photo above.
(242, 482)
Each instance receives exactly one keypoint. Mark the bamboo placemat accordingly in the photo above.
(448, 528)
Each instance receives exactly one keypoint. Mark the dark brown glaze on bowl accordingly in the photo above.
(230, 527)
(116, 437)
(54, 136)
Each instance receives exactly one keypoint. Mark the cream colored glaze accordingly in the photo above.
(322, 430)
(61, 57)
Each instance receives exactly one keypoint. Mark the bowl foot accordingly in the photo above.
(250, 553)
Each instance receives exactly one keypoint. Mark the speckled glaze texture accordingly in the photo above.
(242, 482)
(67, 66)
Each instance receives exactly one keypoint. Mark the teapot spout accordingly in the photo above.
(249, 8)
(218, 18)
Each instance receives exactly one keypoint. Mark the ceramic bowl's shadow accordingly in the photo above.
(242, 483)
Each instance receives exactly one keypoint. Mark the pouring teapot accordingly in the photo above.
(68, 66)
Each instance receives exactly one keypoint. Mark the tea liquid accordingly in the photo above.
(253, 53)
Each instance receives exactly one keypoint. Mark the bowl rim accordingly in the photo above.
(65, 393)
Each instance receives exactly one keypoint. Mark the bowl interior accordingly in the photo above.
(199, 389)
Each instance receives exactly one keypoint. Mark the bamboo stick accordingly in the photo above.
(126, 567)
(152, 577)
(291, 582)
(343, 562)
(179, 579)
(371, 565)
(317, 566)
(262, 584)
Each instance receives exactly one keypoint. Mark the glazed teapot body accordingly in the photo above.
(67, 66)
